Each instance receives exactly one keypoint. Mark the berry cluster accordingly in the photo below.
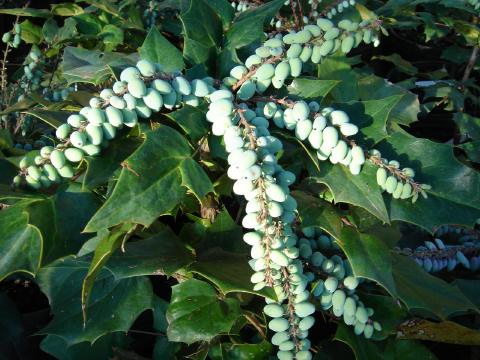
(395, 181)
(435, 256)
(13, 37)
(333, 282)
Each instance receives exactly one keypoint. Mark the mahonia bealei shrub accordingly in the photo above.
(294, 265)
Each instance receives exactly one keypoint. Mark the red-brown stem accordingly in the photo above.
(294, 11)
(377, 161)
(290, 307)
(253, 70)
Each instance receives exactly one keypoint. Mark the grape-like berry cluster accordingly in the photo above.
(13, 37)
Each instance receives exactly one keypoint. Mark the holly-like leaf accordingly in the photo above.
(101, 168)
(52, 118)
(370, 350)
(422, 291)
(469, 288)
(234, 275)
(468, 125)
(20, 243)
(375, 88)
(371, 116)
(472, 149)
(202, 30)
(92, 66)
(312, 89)
(360, 190)
(153, 181)
(249, 25)
(100, 350)
(191, 120)
(196, 313)
(455, 194)
(159, 50)
(161, 254)
(229, 351)
(61, 219)
(387, 312)
(114, 304)
(103, 251)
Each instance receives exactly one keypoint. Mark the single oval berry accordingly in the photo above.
(137, 88)
(74, 155)
(146, 68)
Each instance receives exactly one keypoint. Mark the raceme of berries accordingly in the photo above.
(13, 37)
(435, 255)
(333, 283)
(396, 181)
(283, 56)
(333, 10)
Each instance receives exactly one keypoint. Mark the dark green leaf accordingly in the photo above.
(103, 251)
(159, 50)
(201, 36)
(374, 88)
(52, 118)
(248, 27)
(224, 10)
(20, 243)
(100, 350)
(369, 256)
(468, 125)
(470, 288)
(61, 219)
(50, 30)
(312, 89)
(400, 63)
(339, 69)
(161, 254)
(370, 350)
(112, 36)
(422, 291)
(154, 181)
(101, 168)
(455, 194)
(472, 149)
(229, 351)
(191, 120)
(92, 66)
(196, 313)
(114, 305)
(234, 276)
(360, 190)
(88, 24)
